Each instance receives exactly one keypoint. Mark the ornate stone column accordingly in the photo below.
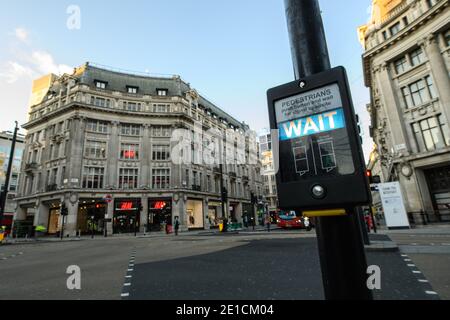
(113, 155)
(439, 72)
(75, 164)
(392, 107)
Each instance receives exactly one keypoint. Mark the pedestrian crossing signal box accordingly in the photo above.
(317, 149)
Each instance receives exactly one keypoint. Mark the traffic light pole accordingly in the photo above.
(4, 194)
(341, 249)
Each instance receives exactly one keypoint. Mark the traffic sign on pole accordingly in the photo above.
(320, 156)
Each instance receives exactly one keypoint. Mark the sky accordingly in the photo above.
(230, 51)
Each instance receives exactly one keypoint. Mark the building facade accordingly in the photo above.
(406, 66)
(126, 152)
(5, 152)
(268, 171)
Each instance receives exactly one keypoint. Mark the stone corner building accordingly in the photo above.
(407, 63)
(99, 142)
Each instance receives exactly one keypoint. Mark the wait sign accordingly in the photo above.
(320, 159)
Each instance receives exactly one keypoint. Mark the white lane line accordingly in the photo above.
(416, 272)
(129, 270)
(431, 292)
(128, 277)
(411, 265)
(423, 281)
(404, 255)
(407, 260)
(127, 284)
(414, 244)
(125, 295)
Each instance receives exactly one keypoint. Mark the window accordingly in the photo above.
(162, 108)
(430, 86)
(93, 177)
(395, 29)
(130, 129)
(161, 131)
(161, 178)
(95, 149)
(428, 134)
(129, 151)
(385, 36)
(400, 65)
(100, 102)
(100, 84)
(131, 106)
(132, 90)
(405, 21)
(445, 130)
(162, 92)
(447, 38)
(128, 178)
(160, 153)
(431, 3)
(407, 98)
(417, 57)
(56, 151)
(97, 126)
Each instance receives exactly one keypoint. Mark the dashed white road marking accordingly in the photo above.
(416, 272)
(125, 295)
(127, 284)
(431, 292)
(411, 265)
(128, 277)
(423, 281)
(407, 260)
(130, 270)
(404, 255)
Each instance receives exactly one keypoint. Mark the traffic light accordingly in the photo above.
(224, 194)
(64, 210)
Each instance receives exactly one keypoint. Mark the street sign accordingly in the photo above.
(393, 205)
(320, 160)
(108, 198)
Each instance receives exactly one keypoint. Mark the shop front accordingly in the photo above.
(194, 212)
(159, 213)
(234, 211)
(439, 185)
(126, 215)
(54, 223)
(91, 214)
(248, 217)
(214, 216)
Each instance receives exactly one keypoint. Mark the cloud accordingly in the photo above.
(21, 34)
(15, 71)
(45, 64)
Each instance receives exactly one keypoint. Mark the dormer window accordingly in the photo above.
(132, 90)
(100, 84)
(162, 92)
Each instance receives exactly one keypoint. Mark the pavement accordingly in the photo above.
(282, 264)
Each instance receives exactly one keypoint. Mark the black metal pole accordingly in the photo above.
(341, 250)
(4, 194)
(363, 226)
(62, 227)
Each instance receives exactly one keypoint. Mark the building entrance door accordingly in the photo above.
(439, 184)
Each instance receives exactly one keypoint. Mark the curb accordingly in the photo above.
(382, 246)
